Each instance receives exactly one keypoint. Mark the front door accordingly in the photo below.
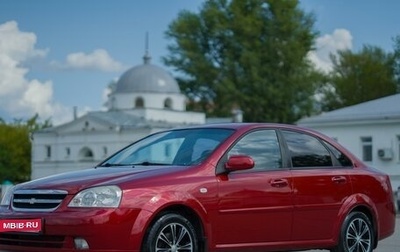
(255, 206)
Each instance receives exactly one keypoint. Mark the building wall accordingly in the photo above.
(101, 143)
(170, 116)
(151, 100)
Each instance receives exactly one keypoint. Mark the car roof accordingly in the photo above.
(255, 125)
(251, 126)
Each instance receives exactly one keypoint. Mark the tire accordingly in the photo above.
(357, 234)
(171, 232)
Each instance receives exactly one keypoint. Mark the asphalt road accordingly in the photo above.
(390, 244)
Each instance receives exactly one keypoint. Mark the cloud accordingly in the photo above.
(98, 60)
(19, 46)
(327, 44)
(107, 91)
(20, 96)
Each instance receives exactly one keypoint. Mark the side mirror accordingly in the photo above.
(239, 162)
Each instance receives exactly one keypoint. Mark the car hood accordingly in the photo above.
(78, 180)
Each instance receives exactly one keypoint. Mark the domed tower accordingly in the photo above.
(146, 87)
(151, 93)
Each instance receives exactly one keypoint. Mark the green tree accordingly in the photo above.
(15, 148)
(396, 47)
(247, 54)
(359, 77)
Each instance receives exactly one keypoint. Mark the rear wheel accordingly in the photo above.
(357, 234)
(172, 233)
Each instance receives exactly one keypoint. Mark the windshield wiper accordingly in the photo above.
(147, 163)
(113, 165)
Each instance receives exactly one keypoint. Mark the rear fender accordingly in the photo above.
(351, 203)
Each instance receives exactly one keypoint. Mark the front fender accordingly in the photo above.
(162, 201)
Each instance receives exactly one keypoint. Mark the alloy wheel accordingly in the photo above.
(174, 238)
(358, 236)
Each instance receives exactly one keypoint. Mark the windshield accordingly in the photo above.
(175, 147)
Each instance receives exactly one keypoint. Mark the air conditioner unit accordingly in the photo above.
(385, 154)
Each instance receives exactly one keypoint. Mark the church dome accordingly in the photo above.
(147, 78)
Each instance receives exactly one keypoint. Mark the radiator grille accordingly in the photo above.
(37, 200)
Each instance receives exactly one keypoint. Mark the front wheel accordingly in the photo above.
(357, 234)
(171, 233)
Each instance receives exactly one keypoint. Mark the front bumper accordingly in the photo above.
(102, 229)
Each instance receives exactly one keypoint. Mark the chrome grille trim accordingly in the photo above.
(38, 201)
(42, 200)
(40, 191)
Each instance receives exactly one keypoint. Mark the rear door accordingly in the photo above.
(320, 184)
(255, 206)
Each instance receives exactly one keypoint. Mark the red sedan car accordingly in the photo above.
(233, 187)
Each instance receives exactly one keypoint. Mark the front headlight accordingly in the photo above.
(102, 196)
(6, 200)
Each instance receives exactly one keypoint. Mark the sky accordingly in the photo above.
(57, 55)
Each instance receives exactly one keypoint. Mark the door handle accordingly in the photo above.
(279, 183)
(339, 179)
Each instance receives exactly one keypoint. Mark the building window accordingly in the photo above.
(86, 154)
(139, 102)
(85, 126)
(168, 149)
(67, 152)
(48, 151)
(168, 103)
(105, 151)
(366, 144)
(398, 146)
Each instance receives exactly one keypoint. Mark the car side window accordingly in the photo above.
(343, 159)
(306, 150)
(263, 146)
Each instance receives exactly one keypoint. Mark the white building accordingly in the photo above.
(370, 130)
(146, 99)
